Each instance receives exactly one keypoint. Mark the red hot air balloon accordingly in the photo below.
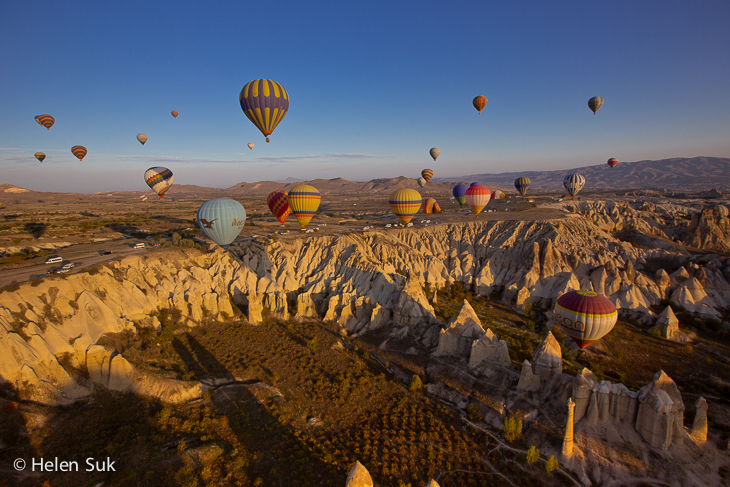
(479, 103)
(174, 113)
(477, 197)
(279, 205)
(612, 162)
(585, 316)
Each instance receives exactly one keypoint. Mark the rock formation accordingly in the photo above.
(489, 347)
(528, 380)
(583, 385)
(457, 338)
(699, 427)
(548, 358)
(358, 476)
(660, 420)
(568, 438)
(668, 323)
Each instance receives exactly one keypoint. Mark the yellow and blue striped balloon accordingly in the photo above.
(265, 102)
(303, 201)
(405, 203)
(522, 185)
(222, 219)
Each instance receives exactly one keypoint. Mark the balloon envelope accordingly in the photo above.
(279, 205)
(522, 185)
(174, 113)
(574, 183)
(612, 162)
(40, 156)
(427, 174)
(222, 219)
(265, 103)
(159, 179)
(422, 182)
(435, 152)
(585, 316)
(431, 206)
(405, 203)
(477, 197)
(45, 120)
(473, 184)
(174, 198)
(479, 102)
(79, 151)
(498, 195)
(595, 103)
(304, 201)
(142, 138)
(250, 145)
(459, 193)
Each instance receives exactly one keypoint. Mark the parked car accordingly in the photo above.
(105, 252)
(54, 260)
(68, 266)
(139, 246)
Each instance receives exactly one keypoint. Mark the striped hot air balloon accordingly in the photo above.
(405, 203)
(585, 316)
(498, 195)
(459, 193)
(431, 206)
(159, 179)
(574, 183)
(479, 103)
(174, 113)
(142, 138)
(595, 103)
(522, 185)
(265, 103)
(612, 162)
(435, 152)
(303, 201)
(427, 174)
(421, 182)
(221, 219)
(45, 120)
(79, 151)
(279, 205)
(477, 197)
(40, 156)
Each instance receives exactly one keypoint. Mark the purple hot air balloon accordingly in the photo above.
(460, 193)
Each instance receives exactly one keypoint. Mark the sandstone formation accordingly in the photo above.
(489, 348)
(568, 438)
(358, 476)
(462, 331)
(699, 427)
(668, 323)
(548, 358)
(660, 420)
(528, 380)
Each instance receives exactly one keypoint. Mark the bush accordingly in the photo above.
(313, 344)
(530, 325)
(472, 413)
(533, 454)
(655, 332)
(415, 385)
(512, 429)
(551, 465)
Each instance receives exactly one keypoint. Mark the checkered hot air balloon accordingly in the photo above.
(79, 151)
(279, 205)
(479, 103)
(159, 179)
(427, 174)
(45, 120)
(304, 201)
(595, 103)
(477, 197)
(585, 316)
(431, 206)
(522, 185)
(405, 203)
(265, 103)
(612, 162)
(459, 193)
(574, 183)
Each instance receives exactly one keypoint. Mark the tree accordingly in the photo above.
(512, 429)
(533, 454)
(415, 385)
(551, 465)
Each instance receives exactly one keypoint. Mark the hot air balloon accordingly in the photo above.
(473, 184)
(303, 201)
(45, 120)
(174, 199)
(574, 183)
(427, 174)
(222, 219)
(459, 193)
(79, 151)
(431, 206)
(612, 162)
(479, 103)
(174, 113)
(595, 103)
(422, 182)
(142, 138)
(250, 145)
(159, 179)
(265, 103)
(498, 195)
(40, 156)
(585, 316)
(279, 205)
(144, 198)
(477, 197)
(405, 203)
(522, 185)
(435, 152)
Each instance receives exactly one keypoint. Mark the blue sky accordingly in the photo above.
(373, 86)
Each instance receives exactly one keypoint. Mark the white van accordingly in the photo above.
(54, 260)
(139, 246)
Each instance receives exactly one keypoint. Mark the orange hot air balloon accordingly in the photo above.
(79, 151)
(479, 102)
(279, 205)
(174, 113)
(427, 174)
(45, 120)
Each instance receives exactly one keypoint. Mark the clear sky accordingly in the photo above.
(373, 86)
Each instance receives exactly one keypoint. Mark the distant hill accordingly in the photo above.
(684, 174)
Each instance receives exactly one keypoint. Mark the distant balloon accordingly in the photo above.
(174, 113)
(250, 145)
(40, 156)
(422, 182)
(79, 151)
(498, 195)
(522, 185)
(473, 184)
(304, 201)
(612, 162)
(574, 183)
(477, 197)
(459, 193)
(142, 138)
(174, 199)
(405, 203)
(144, 198)
(221, 219)
(479, 103)
(159, 179)
(427, 174)
(265, 103)
(431, 206)
(45, 120)
(279, 205)
(585, 316)
(435, 152)
(595, 103)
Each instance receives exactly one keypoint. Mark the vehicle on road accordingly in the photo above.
(68, 266)
(54, 260)
(105, 252)
(139, 246)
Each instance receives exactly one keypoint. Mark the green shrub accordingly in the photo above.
(655, 332)
(472, 413)
(512, 429)
(313, 344)
(551, 465)
(415, 385)
(533, 454)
